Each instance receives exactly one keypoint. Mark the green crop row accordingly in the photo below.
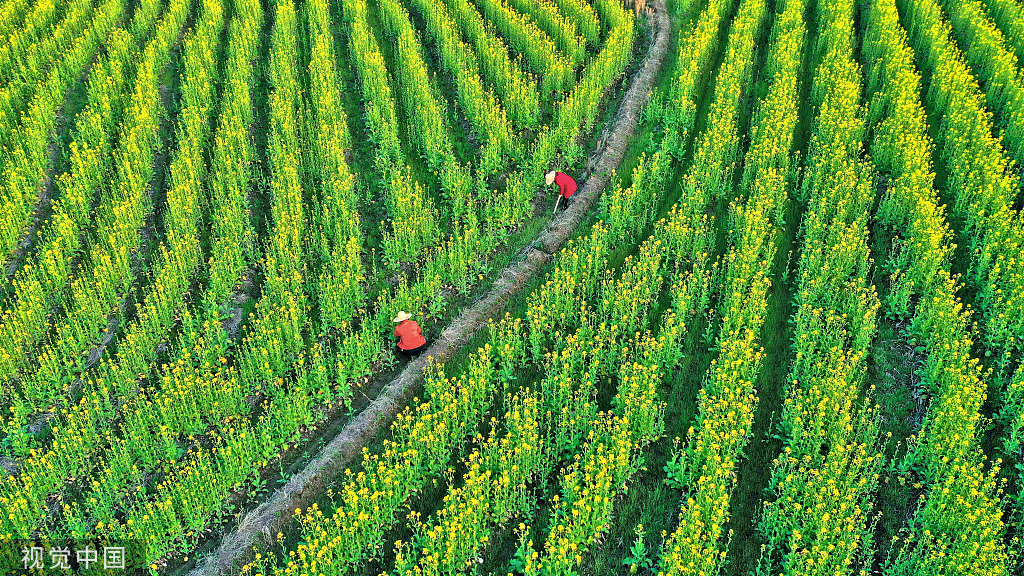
(980, 179)
(40, 281)
(425, 109)
(1009, 15)
(541, 53)
(96, 294)
(822, 484)
(24, 168)
(518, 90)
(948, 441)
(28, 137)
(583, 16)
(994, 62)
(727, 401)
(562, 32)
(24, 69)
(490, 125)
(11, 14)
(85, 428)
(336, 250)
(413, 222)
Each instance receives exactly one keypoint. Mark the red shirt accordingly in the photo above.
(409, 335)
(566, 185)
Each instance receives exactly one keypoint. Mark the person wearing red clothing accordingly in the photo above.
(410, 337)
(566, 185)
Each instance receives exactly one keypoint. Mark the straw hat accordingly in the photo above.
(402, 317)
(550, 177)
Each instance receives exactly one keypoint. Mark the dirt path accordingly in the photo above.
(307, 485)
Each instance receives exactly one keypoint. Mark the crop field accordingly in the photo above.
(777, 331)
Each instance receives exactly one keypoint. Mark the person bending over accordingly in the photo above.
(566, 187)
(410, 337)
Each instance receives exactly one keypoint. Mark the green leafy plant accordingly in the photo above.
(638, 558)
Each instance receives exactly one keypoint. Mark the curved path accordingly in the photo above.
(307, 485)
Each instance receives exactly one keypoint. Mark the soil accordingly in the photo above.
(307, 485)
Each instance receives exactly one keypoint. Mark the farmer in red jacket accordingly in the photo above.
(566, 186)
(410, 337)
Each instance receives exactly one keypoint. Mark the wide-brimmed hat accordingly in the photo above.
(402, 317)
(550, 177)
